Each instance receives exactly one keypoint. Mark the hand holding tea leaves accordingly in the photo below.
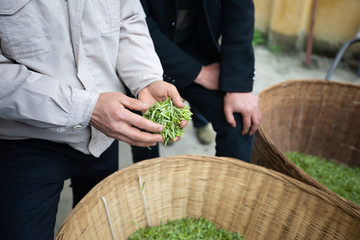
(160, 91)
(112, 115)
(170, 116)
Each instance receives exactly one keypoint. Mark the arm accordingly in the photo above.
(40, 100)
(139, 67)
(237, 64)
(237, 58)
(137, 64)
(177, 64)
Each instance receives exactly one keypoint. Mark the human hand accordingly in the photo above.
(160, 91)
(111, 117)
(247, 104)
(209, 76)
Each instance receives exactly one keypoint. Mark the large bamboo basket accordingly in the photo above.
(313, 117)
(237, 196)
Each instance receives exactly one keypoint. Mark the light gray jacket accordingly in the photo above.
(55, 59)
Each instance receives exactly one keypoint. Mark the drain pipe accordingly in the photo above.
(310, 36)
(340, 54)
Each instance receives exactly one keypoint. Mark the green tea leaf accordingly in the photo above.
(185, 228)
(170, 116)
(340, 179)
(143, 186)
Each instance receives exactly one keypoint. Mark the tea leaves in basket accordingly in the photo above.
(340, 179)
(185, 228)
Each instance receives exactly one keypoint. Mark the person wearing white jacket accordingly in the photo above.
(64, 66)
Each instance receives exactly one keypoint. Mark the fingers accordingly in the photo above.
(183, 123)
(175, 96)
(177, 138)
(123, 131)
(113, 117)
(251, 121)
(246, 124)
(136, 137)
(140, 122)
(129, 130)
(230, 116)
(256, 121)
(134, 104)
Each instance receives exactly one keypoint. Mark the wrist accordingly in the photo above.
(199, 78)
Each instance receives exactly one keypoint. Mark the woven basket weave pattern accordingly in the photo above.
(315, 117)
(237, 196)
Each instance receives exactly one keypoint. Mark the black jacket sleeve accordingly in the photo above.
(237, 56)
(180, 68)
(233, 20)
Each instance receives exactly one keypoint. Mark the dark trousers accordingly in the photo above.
(229, 141)
(198, 119)
(32, 175)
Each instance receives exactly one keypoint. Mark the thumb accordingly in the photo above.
(175, 97)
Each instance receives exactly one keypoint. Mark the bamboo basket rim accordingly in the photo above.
(224, 160)
(309, 80)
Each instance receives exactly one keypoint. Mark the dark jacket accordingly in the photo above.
(233, 20)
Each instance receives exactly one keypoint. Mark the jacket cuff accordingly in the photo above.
(83, 104)
(184, 77)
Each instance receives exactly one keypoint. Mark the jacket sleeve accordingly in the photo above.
(237, 56)
(138, 64)
(41, 101)
(180, 68)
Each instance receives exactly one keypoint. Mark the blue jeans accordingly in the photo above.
(32, 175)
(229, 141)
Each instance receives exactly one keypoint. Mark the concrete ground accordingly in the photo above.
(271, 68)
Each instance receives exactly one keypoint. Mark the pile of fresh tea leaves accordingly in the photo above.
(341, 179)
(170, 116)
(185, 228)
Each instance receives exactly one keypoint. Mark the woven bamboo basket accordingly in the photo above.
(237, 196)
(315, 117)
